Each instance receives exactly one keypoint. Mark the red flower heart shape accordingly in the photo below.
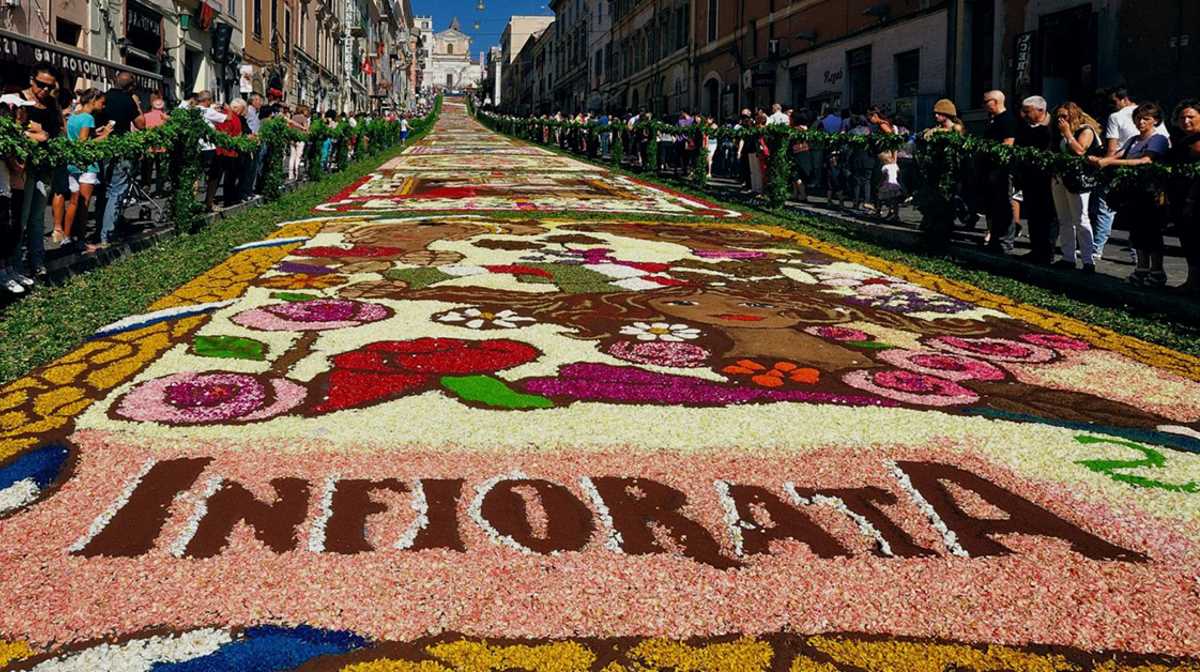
(387, 370)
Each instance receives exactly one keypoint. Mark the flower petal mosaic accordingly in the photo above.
(473, 441)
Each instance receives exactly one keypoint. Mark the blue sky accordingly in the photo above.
(491, 20)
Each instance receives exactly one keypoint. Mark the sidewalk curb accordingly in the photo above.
(1098, 289)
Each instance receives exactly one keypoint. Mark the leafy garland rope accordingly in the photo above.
(182, 134)
(951, 149)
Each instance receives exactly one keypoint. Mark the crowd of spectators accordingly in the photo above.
(1071, 214)
(44, 112)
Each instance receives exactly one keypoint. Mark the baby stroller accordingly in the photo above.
(138, 196)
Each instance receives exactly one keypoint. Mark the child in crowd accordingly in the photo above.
(890, 193)
(82, 180)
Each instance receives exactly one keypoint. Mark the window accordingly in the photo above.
(908, 73)
(799, 76)
(304, 27)
(983, 20)
(67, 32)
(450, 49)
(232, 8)
(258, 19)
(287, 30)
(681, 27)
(858, 68)
(712, 20)
(664, 33)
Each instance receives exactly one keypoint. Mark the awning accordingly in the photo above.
(23, 51)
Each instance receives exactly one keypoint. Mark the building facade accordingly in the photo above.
(450, 65)
(720, 56)
(307, 50)
(171, 48)
(517, 33)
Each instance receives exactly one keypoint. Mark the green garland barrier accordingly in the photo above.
(700, 161)
(943, 158)
(181, 136)
(779, 169)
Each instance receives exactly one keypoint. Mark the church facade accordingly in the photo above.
(450, 63)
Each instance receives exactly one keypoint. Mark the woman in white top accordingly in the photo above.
(1079, 135)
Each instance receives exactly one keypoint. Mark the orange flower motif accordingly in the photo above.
(778, 375)
(302, 281)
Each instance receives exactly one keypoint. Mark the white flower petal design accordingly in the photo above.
(475, 317)
(660, 331)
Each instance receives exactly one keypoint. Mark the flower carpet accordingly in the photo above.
(463, 167)
(472, 441)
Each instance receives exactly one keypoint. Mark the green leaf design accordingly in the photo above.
(229, 347)
(493, 392)
(293, 296)
(417, 278)
(1152, 459)
(868, 345)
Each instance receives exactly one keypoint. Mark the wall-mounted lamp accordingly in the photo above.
(185, 21)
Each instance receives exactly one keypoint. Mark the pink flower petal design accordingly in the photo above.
(911, 387)
(208, 398)
(994, 349)
(942, 364)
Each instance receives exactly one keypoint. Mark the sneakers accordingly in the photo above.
(23, 279)
(11, 285)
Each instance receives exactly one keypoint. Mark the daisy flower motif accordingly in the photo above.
(478, 318)
(661, 331)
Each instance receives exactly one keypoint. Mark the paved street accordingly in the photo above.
(493, 408)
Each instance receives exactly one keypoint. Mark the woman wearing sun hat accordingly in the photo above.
(939, 209)
(945, 119)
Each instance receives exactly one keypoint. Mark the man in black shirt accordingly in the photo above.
(997, 186)
(123, 111)
(1037, 200)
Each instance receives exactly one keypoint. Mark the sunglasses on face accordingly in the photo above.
(45, 85)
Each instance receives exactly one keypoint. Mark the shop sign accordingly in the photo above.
(23, 51)
(1023, 67)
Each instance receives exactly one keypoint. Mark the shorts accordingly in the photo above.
(74, 180)
(59, 181)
